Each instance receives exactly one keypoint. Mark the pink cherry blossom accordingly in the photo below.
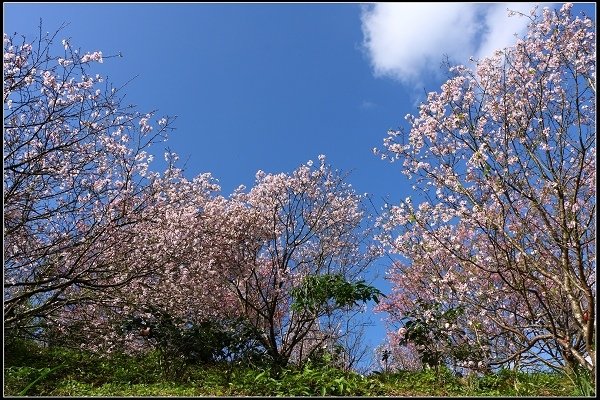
(500, 154)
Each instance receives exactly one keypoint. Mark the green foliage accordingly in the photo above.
(74, 388)
(45, 372)
(325, 357)
(434, 332)
(503, 383)
(507, 382)
(583, 382)
(18, 380)
(317, 291)
(310, 380)
(427, 382)
(33, 370)
(198, 343)
(35, 373)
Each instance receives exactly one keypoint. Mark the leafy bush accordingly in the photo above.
(438, 339)
(318, 291)
(204, 342)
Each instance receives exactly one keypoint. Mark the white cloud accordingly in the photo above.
(501, 29)
(409, 41)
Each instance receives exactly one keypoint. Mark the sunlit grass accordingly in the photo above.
(34, 371)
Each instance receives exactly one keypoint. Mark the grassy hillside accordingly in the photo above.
(33, 371)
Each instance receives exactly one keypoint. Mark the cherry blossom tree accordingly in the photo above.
(504, 158)
(292, 250)
(94, 239)
(75, 181)
(179, 288)
(285, 258)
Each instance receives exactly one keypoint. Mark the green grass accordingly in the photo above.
(33, 371)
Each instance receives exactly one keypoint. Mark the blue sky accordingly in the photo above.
(271, 86)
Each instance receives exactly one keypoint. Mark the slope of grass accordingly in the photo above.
(34, 371)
